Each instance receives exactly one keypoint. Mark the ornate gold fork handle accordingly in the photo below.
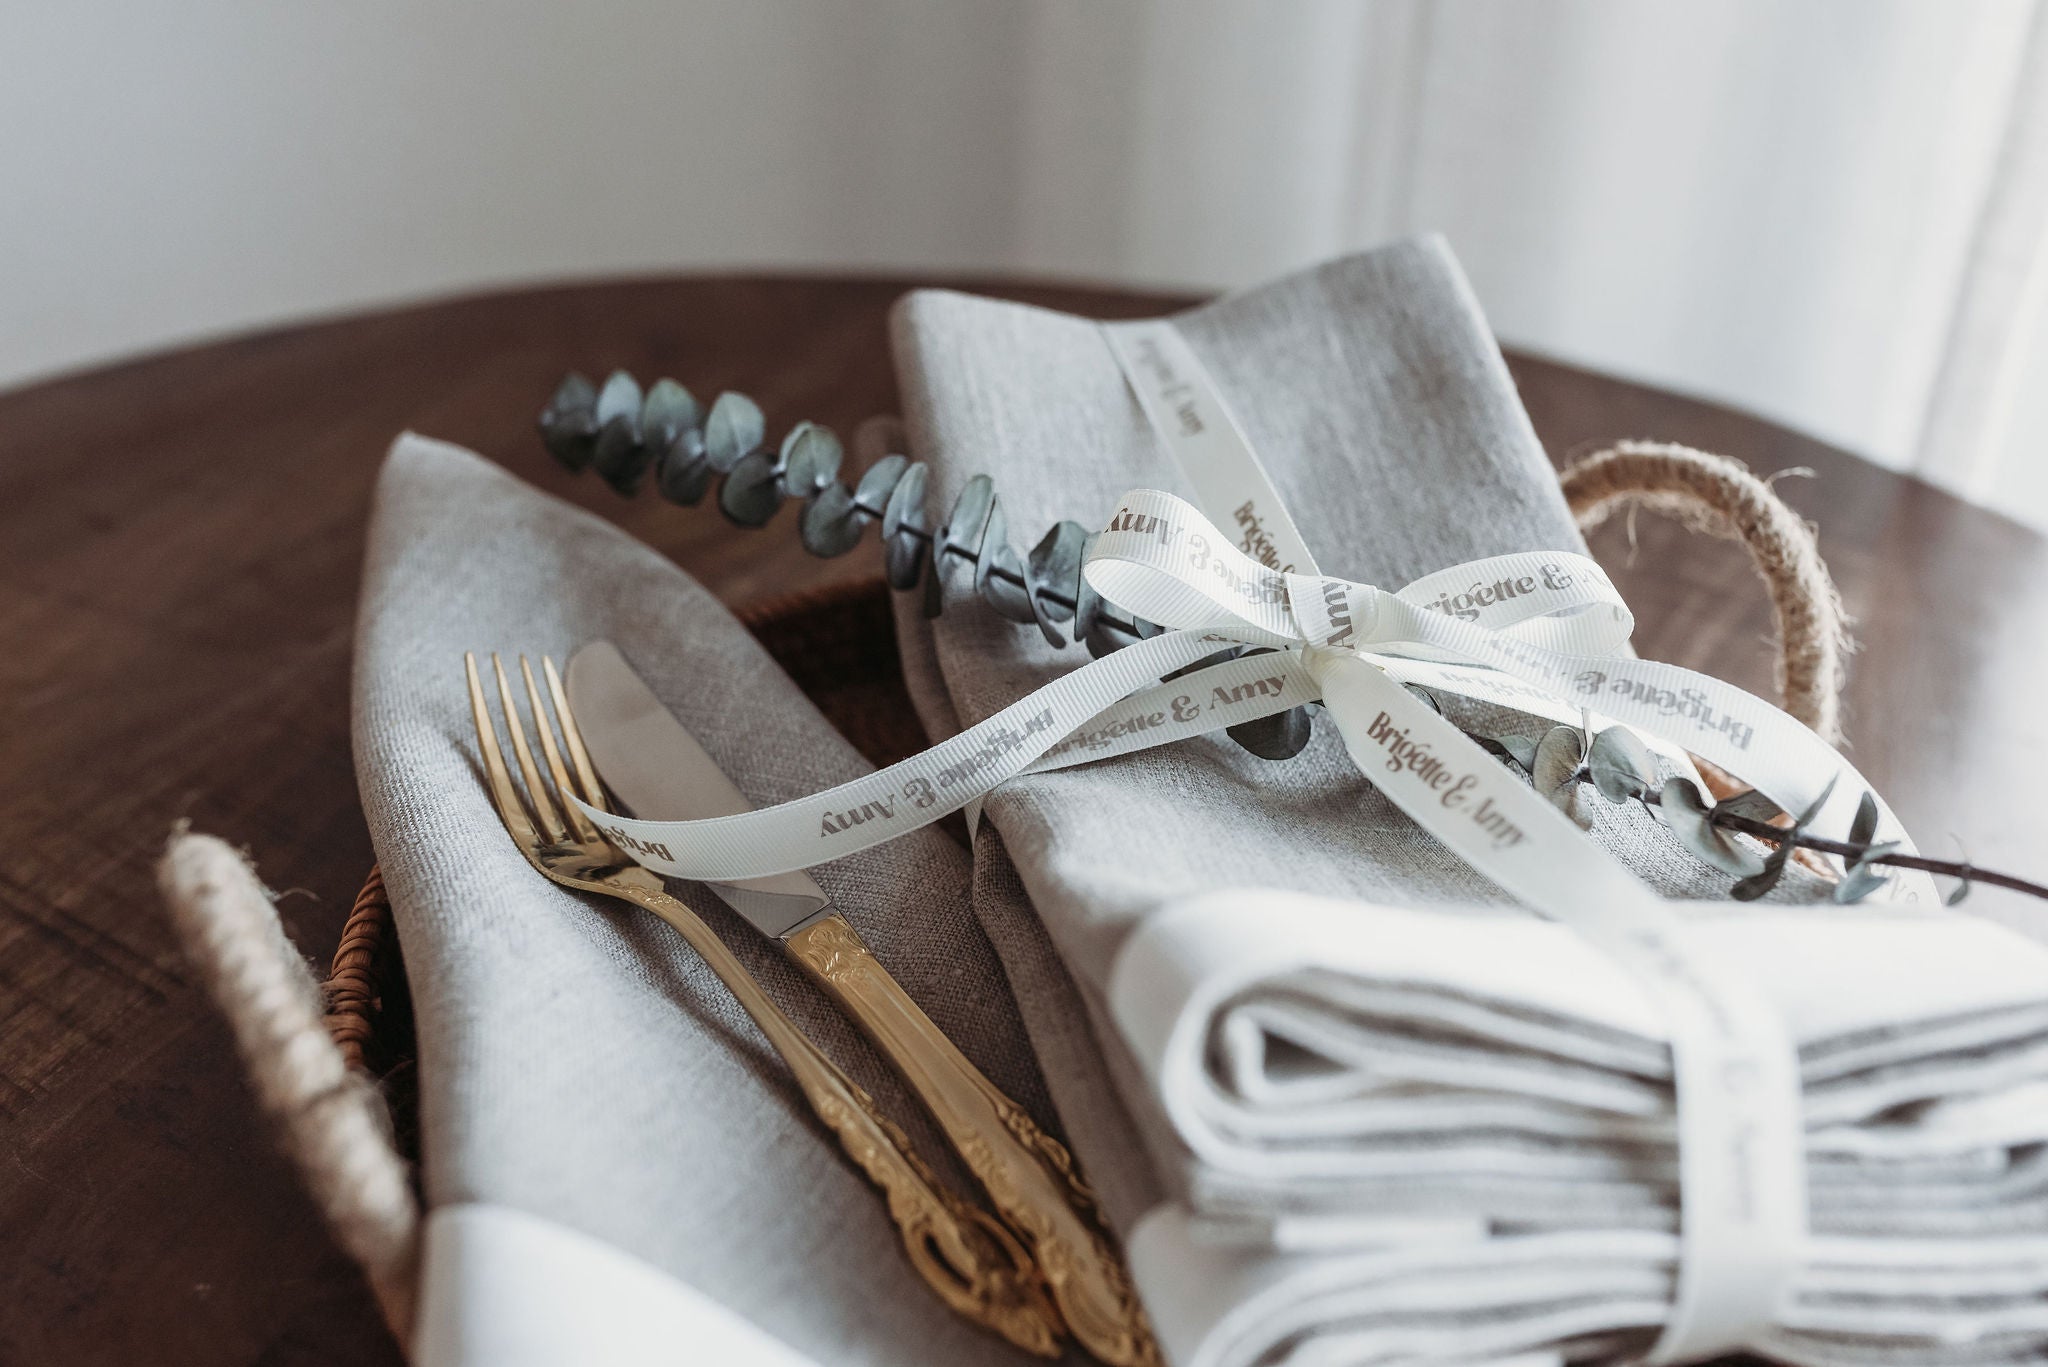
(1028, 1174)
(971, 1260)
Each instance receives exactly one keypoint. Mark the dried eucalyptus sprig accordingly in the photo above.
(622, 433)
(1618, 766)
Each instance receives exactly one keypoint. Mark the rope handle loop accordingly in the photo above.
(1719, 497)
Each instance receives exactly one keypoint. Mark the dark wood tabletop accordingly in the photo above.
(180, 542)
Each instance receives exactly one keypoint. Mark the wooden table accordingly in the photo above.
(180, 542)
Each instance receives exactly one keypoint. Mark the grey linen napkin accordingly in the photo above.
(578, 1062)
(1388, 422)
(1390, 426)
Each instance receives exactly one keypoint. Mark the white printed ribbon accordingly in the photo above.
(1539, 631)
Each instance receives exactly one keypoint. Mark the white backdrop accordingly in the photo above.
(1834, 212)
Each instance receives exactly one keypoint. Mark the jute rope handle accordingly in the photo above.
(1719, 497)
(307, 1064)
(332, 1122)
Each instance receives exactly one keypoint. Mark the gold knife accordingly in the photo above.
(655, 766)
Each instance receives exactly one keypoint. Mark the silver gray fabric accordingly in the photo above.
(577, 1060)
(1389, 424)
(1381, 408)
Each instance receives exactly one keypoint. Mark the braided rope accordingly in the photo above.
(1719, 497)
(331, 1121)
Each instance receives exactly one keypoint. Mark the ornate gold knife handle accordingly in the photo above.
(971, 1260)
(1028, 1174)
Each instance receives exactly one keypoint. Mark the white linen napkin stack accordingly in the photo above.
(1427, 1136)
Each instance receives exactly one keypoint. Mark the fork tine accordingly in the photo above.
(579, 825)
(503, 794)
(549, 821)
(586, 772)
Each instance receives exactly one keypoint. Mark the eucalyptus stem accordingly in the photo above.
(1001, 572)
(1849, 849)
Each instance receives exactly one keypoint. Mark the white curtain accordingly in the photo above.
(1834, 212)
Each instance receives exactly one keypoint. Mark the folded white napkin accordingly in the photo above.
(1384, 1100)
(1474, 1161)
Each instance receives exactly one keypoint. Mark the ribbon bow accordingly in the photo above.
(1549, 619)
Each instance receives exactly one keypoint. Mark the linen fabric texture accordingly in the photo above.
(578, 1062)
(1340, 1163)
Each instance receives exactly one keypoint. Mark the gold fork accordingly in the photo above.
(969, 1259)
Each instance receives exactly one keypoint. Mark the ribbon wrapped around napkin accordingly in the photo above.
(1427, 1137)
(1391, 431)
(617, 1167)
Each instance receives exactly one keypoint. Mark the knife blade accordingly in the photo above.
(655, 766)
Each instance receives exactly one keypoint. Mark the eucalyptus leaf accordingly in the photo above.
(1855, 887)
(682, 474)
(620, 398)
(732, 431)
(1427, 698)
(619, 457)
(1054, 573)
(1620, 764)
(1555, 772)
(1751, 805)
(1523, 749)
(905, 505)
(668, 411)
(995, 539)
(969, 522)
(1760, 883)
(1957, 894)
(1813, 808)
(1686, 812)
(1005, 592)
(1494, 748)
(1557, 757)
(1280, 736)
(1056, 569)
(568, 425)
(903, 550)
(879, 481)
(1865, 824)
(830, 525)
(811, 455)
(749, 495)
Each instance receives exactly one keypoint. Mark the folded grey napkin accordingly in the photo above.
(1388, 422)
(1369, 1116)
(585, 1079)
